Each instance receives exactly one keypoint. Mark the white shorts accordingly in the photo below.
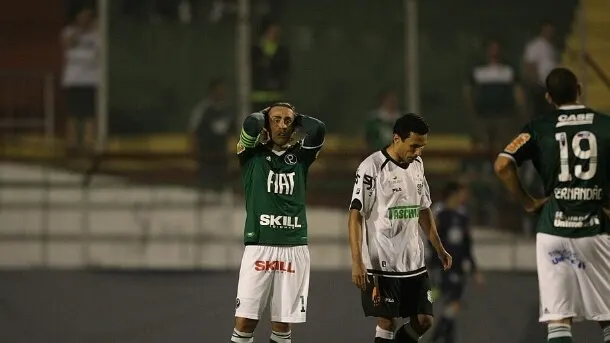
(279, 273)
(573, 277)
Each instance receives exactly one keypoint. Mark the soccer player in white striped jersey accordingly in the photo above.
(390, 201)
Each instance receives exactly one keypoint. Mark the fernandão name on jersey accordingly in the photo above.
(561, 220)
(579, 193)
(279, 222)
(403, 212)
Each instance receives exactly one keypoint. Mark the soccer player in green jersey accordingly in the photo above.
(275, 150)
(570, 149)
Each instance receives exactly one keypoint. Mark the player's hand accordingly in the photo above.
(359, 275)
(264, 136)
(535, 205)
(446, 259)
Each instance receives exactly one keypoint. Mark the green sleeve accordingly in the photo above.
(250, 130)
(315, 131)
(249, 136)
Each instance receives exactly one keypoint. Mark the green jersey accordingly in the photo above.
(570, 149)
(275, 183)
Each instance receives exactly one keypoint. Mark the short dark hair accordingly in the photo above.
(451, 188)
(282, 104)
(408, 123)
(562, 86)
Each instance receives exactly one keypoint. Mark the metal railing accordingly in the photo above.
(27, 102)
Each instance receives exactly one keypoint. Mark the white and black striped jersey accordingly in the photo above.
(389, 196)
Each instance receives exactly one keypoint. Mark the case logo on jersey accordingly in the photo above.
(279, 222)
(274, 266)
(280, 183)
(517, 143)
(290, 159)
(403, 212)
(575, 119)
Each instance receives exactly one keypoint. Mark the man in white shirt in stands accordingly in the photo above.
(540, 58)
(80, 41)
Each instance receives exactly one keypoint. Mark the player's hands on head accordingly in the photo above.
(446, 259)
(359, 275)
(264, 136)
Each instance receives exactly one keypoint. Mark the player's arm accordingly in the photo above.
(428, 226)
(314, 132)
(363, 198)
(519, 150)
(252, 133)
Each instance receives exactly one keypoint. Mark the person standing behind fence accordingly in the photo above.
(540, 57)
(211, 124)
(81, 41)
(494, 99)
(270, 67)
(379, 127)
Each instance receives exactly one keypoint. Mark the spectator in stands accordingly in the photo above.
(495, 99)
(211, 125)
(81, 72)
(270, 67)
(540, 58)
(380, 124)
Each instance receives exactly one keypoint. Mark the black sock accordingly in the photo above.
(406, 334)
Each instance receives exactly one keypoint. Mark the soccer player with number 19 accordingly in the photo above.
(570, 149)
(276, 148)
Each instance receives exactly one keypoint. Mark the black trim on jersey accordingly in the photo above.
(388, 157)
(356, 205)
(384, 163)
(403, 274)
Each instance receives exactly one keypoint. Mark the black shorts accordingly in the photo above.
(398, 297)
(80, 101)
(452, 286)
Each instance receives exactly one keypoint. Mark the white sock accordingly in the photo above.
(385, 334)
(410, 332)
(606, 332)
(557, 330)
(242, 337)
(280, 337)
